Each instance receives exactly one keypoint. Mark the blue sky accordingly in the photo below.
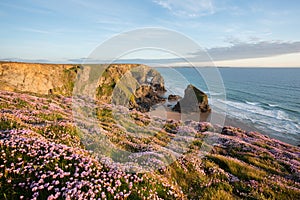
(230, 30)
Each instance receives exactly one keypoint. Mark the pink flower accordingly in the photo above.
(51, 197)
(50, 187)
(34, 189)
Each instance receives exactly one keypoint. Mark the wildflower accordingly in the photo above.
(50, 187)
(51, 197)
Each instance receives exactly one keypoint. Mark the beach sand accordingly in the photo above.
(212, 117)
(221, 120)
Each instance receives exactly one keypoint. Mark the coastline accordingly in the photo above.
(168, 113)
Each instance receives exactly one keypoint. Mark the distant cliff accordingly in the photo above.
(37, 78)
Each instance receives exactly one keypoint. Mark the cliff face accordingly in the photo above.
(37, 78)
(122, 84)
(131, 85)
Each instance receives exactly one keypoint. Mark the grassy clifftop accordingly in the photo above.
(42, 155)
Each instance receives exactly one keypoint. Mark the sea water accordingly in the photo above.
(265, 98)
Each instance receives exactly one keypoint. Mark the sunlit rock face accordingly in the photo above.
(134, 86)
(194, 100)
(37, 78)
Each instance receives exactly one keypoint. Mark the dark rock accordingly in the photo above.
(145, 97)
(194, 100)
(173, 97)
(159, 87)
(233, 131)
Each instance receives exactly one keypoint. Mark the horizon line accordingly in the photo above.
(171, 66)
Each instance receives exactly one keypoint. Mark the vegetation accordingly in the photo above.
(45, 155)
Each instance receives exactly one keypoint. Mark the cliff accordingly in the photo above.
(37, 78)
(132, 85)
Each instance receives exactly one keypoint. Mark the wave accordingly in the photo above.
(272, 105)
(252, 103)
(255, 112)
(275, 121)
(210, 93)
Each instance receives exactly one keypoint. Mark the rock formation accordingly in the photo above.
(132, 85)
(37, 78)
(135, 86)
(194, 100)
(173, 97)
(145, 97)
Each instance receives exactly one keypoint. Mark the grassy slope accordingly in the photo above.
(242, 166)
(245, 166)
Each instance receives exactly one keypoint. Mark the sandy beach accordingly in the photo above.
(212, 117)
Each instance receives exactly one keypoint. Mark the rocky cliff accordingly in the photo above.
(131, 85)
(37, 78)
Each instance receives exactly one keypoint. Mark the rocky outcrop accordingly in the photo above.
(194, 100)
(37, 78)
(173, 97)
(145, 97)
(132, 85)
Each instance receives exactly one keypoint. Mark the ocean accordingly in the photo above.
(267, 99)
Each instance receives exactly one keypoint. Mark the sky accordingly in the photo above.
(263, 33)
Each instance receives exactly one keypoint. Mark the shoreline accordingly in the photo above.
(218, 119)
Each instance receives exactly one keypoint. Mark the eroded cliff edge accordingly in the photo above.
(131, 85)
(37, 78)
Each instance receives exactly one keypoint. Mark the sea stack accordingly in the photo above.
(194, 100)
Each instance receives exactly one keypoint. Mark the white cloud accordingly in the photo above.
(285, 60)
(260, 49)
(188, 8)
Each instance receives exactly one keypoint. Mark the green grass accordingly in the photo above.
(20, 103)
(51, 116)
(264, 161)
(67, 135)
(241, 170)
(219, 191)
(8, 124)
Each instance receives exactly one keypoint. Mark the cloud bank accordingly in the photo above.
(253, 50)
